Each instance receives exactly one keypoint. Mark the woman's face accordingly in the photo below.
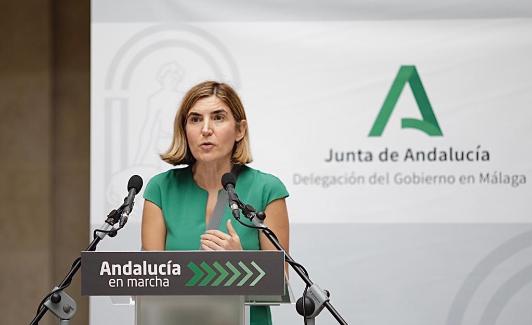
(211, 130)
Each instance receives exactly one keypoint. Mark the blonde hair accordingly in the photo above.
(179, 152)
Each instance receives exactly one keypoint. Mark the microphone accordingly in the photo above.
(228, 183)
(133, 186)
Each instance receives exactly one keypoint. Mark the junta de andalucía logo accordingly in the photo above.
(428, 124)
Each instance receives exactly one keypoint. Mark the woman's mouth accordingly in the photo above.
(207, 145)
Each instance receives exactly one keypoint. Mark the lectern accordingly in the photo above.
(188, 287)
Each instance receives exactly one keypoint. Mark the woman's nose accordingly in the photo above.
(206, 129)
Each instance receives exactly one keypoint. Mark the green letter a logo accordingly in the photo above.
(429, 124)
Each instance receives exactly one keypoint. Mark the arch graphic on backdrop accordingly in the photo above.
(119, 75)
(481, 273)
(112, 74)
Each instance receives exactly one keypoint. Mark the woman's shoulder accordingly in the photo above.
(262, 186)
(170, 176)
(164, 182)
(261, 177)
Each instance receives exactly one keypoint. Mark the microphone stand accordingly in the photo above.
(314, 298)
(59, 302)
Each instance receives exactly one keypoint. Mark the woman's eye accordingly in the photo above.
(194, 119)
(219, 117)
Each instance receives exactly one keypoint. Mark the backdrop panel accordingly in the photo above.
(403, 143)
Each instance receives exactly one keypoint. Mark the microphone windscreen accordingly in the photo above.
(228, 178)
(135, 182)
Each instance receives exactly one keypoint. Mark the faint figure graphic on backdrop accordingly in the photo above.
(157, 129)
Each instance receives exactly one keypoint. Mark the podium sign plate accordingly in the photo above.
(182, 273)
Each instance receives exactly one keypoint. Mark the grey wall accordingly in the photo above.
(44, 142)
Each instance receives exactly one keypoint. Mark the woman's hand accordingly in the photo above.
(216, 240)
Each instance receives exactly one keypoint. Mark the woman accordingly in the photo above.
(211, 138)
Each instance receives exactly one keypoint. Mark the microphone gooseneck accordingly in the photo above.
(228, 183)
(133, 186)
(314, 298)
(58, 297)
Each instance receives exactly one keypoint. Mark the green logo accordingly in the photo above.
(429, 124)
(206, 274)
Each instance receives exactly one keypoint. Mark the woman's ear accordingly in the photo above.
(241, 130)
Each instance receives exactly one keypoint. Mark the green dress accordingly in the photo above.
(183, 205)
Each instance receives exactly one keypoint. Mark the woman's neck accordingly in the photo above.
(209, 175)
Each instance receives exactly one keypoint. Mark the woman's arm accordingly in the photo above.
(277, 221)
(153, 228)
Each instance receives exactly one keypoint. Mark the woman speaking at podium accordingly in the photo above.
(182, 210)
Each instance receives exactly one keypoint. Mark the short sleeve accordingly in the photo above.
(274, 189)
(152, 192)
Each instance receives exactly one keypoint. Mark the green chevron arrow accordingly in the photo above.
(248, 275)
(198, 274)
(223, 274)
(261, 275)
(210, 274)
(235, 276)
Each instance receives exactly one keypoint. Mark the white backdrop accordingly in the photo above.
(403, 252)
